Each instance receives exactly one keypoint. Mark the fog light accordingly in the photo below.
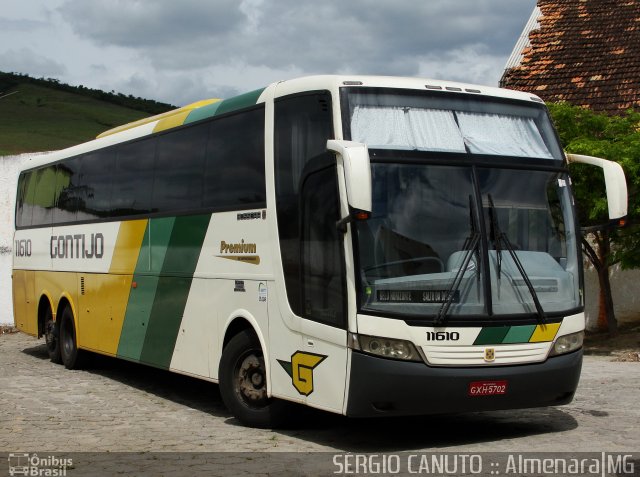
(567, 343)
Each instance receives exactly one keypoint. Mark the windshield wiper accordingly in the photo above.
(470, 246)
(498, 236)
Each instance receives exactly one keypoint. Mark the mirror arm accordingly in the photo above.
(341, 224)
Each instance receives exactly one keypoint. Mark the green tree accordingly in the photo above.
(615, 138)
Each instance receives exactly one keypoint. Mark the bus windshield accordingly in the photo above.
(452, 124)
(471, 240)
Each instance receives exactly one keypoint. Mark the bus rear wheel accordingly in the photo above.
(243, 383)
(70, 354)
(52, 337)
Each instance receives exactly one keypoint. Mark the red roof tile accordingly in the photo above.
(586, 52)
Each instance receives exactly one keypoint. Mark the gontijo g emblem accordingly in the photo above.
(301, 370)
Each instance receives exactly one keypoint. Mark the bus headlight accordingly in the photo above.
(385, 347)
(567, 343)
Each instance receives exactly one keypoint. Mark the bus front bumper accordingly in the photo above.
(383, 387)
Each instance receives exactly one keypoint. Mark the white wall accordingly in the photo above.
(624, 289)
(9, 167)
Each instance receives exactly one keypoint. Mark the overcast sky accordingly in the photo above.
(179, 51)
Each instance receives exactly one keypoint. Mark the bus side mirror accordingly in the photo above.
(614, 181)
(357, 172)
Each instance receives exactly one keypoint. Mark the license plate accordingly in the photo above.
(487, 388)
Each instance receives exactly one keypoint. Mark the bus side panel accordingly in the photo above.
(104, 297)
(101, 311)
(25, 314)
(163, 277)
(211, 306)
(57, 285)
(285, 341)
(196, 349)
(31, 252)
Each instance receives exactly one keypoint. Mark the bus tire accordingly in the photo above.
(70, 354)
(243, 383)
(52, 337)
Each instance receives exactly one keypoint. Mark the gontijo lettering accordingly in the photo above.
(77, 246)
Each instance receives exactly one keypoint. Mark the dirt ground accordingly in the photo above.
(624, 346)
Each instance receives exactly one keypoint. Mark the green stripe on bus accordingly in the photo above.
(491, 335)
(202, 113)
(141, 298)
(519, 334)
(160, 231)
(173, 288)
(239, 102)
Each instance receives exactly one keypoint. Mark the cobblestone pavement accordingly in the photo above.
(117, 406)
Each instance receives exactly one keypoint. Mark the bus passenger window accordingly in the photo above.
(23, 210)
(94, 189)
(234, 174)
(133, 178)
(67, 198)
(179, 169)
(44, 195)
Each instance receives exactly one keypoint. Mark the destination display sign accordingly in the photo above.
(416, 296)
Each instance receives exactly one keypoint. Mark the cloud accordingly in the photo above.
(472, 61)
(149, 23)
(360, 36)
(10, 24)
(187, 50)
(26, 59)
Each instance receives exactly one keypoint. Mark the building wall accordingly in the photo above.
(9, 167)
(624, 288)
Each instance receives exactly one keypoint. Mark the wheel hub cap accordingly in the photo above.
(251, 378)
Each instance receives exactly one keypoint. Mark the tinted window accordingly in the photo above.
(93, 193)
(68, 192)
(234, 174)
(133, 178)
(217, 164)
(43, 197)
(179, 169)
(302, 127)
(323, 277)
(22, 218)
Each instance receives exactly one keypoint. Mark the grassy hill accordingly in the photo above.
(44, 115)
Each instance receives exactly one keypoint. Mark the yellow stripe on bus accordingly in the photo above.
(128, 243)
(171, 122)
(545, 332)
(160, 117)
(104, 302)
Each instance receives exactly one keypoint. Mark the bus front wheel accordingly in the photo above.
(70, 354)
(243, 383)
(52, 337)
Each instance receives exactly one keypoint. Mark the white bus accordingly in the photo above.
(368, 246)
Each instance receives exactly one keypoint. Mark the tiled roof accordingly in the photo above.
(586, 52)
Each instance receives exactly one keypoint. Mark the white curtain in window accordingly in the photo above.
(502, 134)
(406, 128)
(380, 127)
(434, 130)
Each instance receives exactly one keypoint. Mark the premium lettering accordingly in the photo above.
(77, 246)
(237, 247)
